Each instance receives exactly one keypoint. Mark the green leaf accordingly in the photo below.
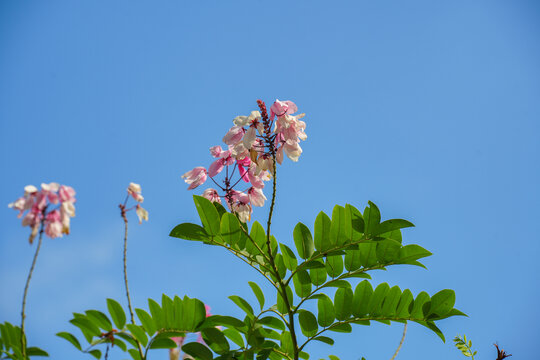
(99, 319)
(198, 351)
(409, 253)
(216, 340)
(194, 313)
(120, 344)
(95, 353)
(357, 222)
(368, 254)
(234, 336)
(242, 304)
(163, 343)
(220, 209)
(322, 232)
(343, 303)
(318, 275)
(334, 265)
(229, 321)
(230, 229)
(308, 323)
(372, 218)
(302, 283)
(391, 301)
(157, 314)
(282, 307)
(326, 314)
(430, 325)
(353, 260)
(258, 236)
(127, 337)
(168, 311)
(87, 328)
(35, 351)
(280, 265)
(272, 322)
(286, 342)
(188, 231)
(391, 225)
(146, 321)
(342, 328)
(361, 299)
(442, 302)
(324, 339)
(374, 307)
(258, 293)
(303, 241)
(117, 313)
(208, 214)
(339, 284)
(418, 304)
(333, 357)
(387, 251)
(69, 337)
(339, 227)
(405, 301)
(138, 333)
(288, 257)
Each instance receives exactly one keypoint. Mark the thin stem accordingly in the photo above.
(280, 281)
(401, 342)
(23, 315)
(124, 217)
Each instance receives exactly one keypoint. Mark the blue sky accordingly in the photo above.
(430, 109)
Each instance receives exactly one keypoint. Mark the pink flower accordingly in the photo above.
(242, 121)
(212, 195)
(256, 197)
(224, 158)
(56, 222)
(242, 164)
(292, 150)
(234, 135)
(216, 151)
(67, 211)
(142, 214)
(264, 162)
(281, 108)
(257, 180)
(135, 191)
(243, 211)
(66, 193)
(53, 225)
(195, 177)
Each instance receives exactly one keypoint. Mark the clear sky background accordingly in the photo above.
(430, 109)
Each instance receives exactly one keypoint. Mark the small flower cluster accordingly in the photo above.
(134, 190)
(254, 144)
(39, 202)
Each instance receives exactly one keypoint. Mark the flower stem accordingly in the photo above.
(23, 315)
(401, 342)
(123, 212)
(269, 139)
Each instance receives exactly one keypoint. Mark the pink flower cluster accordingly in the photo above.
(39, 202)
(134, 190)
(253, 143)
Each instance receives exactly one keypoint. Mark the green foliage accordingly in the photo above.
(10, 344)
(172, 318)
(342, 248)
(464, 346)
